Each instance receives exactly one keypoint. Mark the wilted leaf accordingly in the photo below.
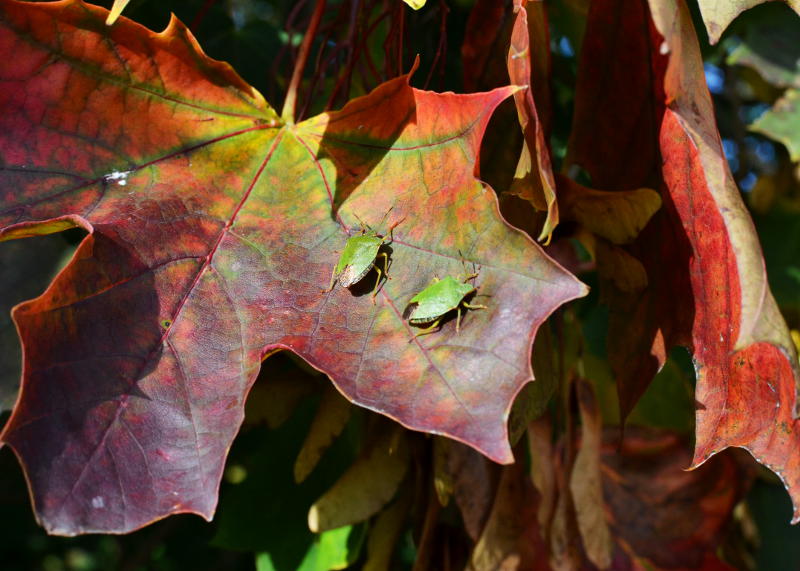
(214, 229)
(613, 126)
(620, 268)
(384, 535)
(533, 179)
(585, 483)
(663, 516)
(467, 476)
(618, 101)
(330, 420)
(707, 287)
(540, 448)
(485, 44)
(782, 122)
(718, 14)
(367, 485)
(564, 536)
(511, 538)
(745, 360)
(616, 216)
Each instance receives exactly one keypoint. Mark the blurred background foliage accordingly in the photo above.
(753, 74)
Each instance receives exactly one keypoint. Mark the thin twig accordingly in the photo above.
(289, 104)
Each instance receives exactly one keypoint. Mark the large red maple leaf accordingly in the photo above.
(213, 228)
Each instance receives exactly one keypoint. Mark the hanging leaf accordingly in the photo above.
(718, 14)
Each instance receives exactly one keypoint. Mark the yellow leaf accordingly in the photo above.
(415, 4)
(585, 482)
(367, 486)
(116, 10)
(618, 216)
(384, 534)
(330, 420)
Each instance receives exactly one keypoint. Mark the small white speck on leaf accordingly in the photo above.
(120, 176)
(98, 502)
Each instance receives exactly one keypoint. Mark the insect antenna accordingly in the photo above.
(361, 223)
(384, 216)
(468, 276)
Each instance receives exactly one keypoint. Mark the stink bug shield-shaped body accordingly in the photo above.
(437, 299)
(359, 256)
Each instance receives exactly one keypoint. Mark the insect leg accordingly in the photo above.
(385, 264)
(380, 273)
(476, 306)
(378, 281)
(429, 329)
(392, 227)
(458, 320)
(333, 280)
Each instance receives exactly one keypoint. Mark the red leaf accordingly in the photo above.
(533, 180)
(745, 359)
(212, 240)
(707, 284)
(663, 516)
(619, 103)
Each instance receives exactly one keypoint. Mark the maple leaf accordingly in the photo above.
(213, 230)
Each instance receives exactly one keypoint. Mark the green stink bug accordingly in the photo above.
(359, 256)
(439, 298)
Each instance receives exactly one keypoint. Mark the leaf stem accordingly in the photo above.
(289, 104)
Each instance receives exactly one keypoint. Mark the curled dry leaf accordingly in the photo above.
(511, 538)
(533, 179)
(331, 418)
(366, 487)
(745, 359)
(616, 216)
(585, 483)
(707, 288)
(469, 478)
(663, 516)
(385, 533)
